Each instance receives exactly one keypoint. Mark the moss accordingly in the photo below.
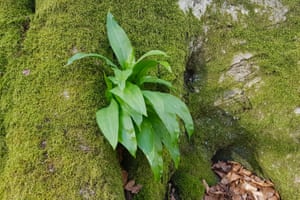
(55, 150)
(189, 187)
(3, 147)
(276, 101)
(193, 170)
(12, 18)
(54, 147)
(265, 137)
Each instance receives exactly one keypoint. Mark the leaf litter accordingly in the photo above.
(238, 183)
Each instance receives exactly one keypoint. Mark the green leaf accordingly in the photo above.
(179, 107)
(166, 65)
(136, 117)
(127, 135)
(172, 147)
(131, 95)
(79, 56)
(170, 143)
(141, 68)
(131, 61)
(106, 119)
(166, 106)
(145, 137)
(152, 53)
(149, 142)
(119, 42)
(152, 79)
(120, 77)
(168, 117)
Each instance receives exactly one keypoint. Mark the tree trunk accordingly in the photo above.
(50, 145)
(54, 148)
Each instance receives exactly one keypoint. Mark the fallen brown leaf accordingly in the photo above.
(238, 183)
(132, 187)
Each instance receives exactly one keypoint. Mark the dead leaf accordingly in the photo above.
(238, 183)
(132, 187)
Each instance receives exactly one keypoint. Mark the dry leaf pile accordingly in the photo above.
(238, 183)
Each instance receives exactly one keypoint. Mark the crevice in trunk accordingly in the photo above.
(195, 66)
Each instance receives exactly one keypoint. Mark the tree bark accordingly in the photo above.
(51, 147)
(54, 147)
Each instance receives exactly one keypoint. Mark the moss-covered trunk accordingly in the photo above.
(13, 19)
(53, 150)
(50, 145)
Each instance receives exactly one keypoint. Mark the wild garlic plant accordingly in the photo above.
(137, 117)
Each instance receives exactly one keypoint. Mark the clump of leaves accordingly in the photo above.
(137, 117)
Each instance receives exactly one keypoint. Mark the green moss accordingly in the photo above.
(3, 147)
(189, 187)
(13, 16)
(269, 131)
(277, 125)
(193, 170)
(55, 150)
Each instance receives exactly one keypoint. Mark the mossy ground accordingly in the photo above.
(265, 137)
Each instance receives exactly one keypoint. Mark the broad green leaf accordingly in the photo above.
(141, 68)
(179, 107)
(131, 61)
(120, 77)
(156, 158)
(119, 42)
(79, 56)
(144, 66)
(127, 135)
(136, 117)
(107, 120)
(152, 79)
(168, 117)
(145, 137)
(149, 142)
(172, 106)
(172, 147)
(166, 65)
(152, 53)
(132, 96)
(170, 143)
